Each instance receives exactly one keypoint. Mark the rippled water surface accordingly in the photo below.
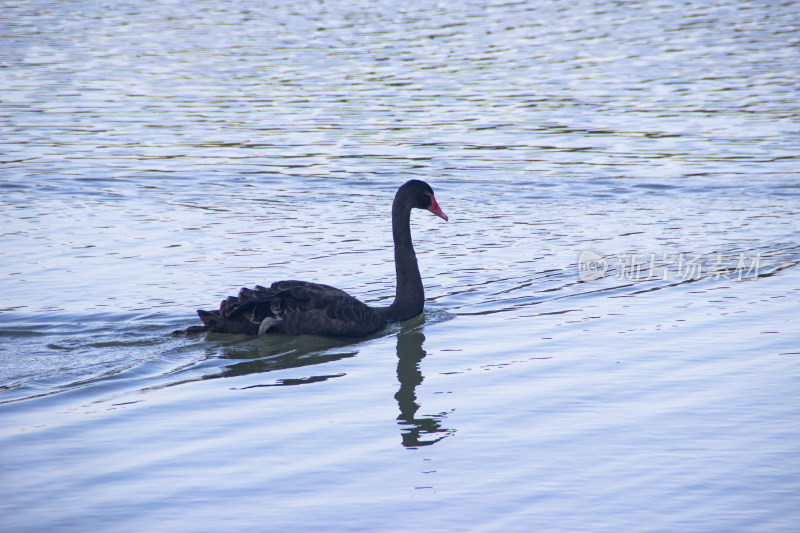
(610, 340)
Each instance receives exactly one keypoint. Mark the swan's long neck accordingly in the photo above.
(409, 299)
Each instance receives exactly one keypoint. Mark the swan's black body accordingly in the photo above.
(303, 308)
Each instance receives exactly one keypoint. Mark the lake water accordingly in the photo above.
(611, 340)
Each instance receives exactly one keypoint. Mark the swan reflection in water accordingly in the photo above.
(298, 352)
(416, 431)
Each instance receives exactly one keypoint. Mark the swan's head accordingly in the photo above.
(421, 196)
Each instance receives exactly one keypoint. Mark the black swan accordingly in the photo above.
(303, 308)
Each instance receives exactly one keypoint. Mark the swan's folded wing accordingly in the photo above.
(317, 309)
(296, 308)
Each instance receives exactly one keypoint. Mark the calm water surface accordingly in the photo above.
(610, 341)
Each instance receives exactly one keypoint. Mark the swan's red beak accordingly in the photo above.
(435, 209)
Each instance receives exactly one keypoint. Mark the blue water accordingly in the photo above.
(155, 157)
